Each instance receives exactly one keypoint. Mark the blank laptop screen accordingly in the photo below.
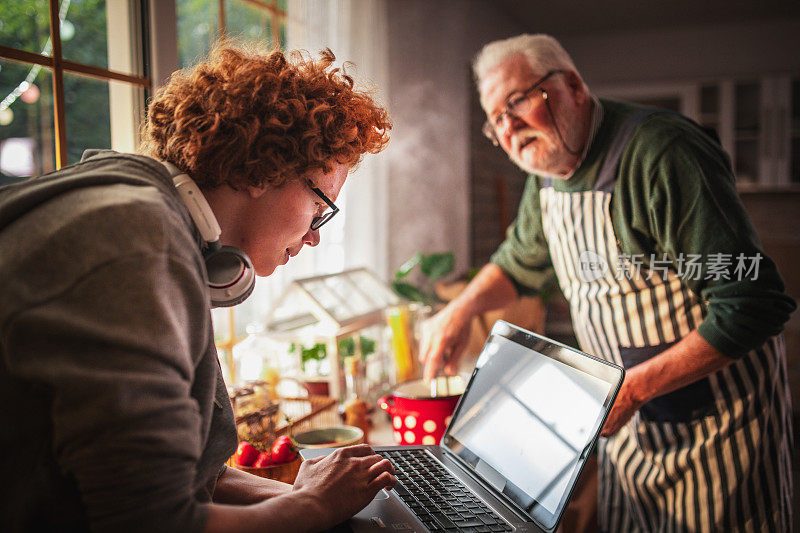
(528, 420)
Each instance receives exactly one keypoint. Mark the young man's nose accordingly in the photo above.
(311, 238)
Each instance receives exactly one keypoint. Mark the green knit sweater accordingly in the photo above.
(674, 197)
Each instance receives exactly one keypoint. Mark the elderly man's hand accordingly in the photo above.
(345, 481)
(625, 405)
(445, 336)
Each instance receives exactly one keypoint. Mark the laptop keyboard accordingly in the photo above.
(440, 501)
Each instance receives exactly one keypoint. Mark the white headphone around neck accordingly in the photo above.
(231, 276)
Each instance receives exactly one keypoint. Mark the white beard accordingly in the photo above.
(547, 157)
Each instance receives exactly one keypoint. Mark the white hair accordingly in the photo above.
(543, 52)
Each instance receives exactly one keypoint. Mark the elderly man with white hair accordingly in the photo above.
(635, 213)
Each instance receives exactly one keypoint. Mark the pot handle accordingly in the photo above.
(386, 403)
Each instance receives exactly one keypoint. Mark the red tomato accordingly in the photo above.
(263, 460)
(246, 454)
(283, 450)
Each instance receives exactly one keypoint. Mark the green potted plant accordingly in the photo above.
(432, 267)
(318, 352)
(311, 358)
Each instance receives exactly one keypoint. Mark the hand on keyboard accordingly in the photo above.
(345, 481)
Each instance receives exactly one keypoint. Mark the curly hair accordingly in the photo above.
(246, 118)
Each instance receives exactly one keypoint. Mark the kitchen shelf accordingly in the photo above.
(757, 120)
(754, 187)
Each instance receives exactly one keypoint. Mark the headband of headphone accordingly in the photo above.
(231, 276)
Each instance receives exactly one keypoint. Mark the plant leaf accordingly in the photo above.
(317, 351)
(437, 265)
(367, 346)
(347, 347)
(408, 266)
(409, 292)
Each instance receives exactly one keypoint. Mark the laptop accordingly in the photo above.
(513, 450)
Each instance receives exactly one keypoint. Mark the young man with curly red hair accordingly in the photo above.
(110, 267)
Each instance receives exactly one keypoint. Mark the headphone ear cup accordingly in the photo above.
(231, 276)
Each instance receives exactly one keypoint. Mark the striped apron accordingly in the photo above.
(712, 456)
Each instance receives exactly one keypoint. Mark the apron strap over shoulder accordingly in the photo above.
(607, 176)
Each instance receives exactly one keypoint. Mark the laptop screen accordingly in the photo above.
(530, 416)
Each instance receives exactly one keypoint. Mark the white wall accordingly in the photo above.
(430, 48)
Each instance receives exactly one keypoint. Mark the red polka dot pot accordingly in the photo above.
(420, 411)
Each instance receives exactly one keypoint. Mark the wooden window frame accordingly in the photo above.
(58, 66)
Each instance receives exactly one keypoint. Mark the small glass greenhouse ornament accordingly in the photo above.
(323, 319)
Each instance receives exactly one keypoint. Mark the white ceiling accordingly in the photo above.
(572, 16)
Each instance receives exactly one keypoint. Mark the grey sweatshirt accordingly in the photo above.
(114, 414)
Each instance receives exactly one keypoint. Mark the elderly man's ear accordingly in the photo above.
(576, 86)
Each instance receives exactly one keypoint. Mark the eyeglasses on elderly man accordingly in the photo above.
(518, 103)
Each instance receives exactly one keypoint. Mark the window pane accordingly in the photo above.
(86, 105)
(26, 119)
(100, 114)
(198, 22)
(25, 24)
(84, 32)
(247, 21)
